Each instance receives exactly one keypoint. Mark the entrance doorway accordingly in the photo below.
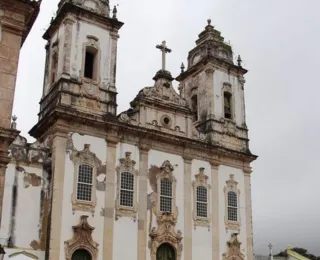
(166, 252)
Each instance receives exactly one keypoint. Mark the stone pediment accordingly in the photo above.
(162, 91)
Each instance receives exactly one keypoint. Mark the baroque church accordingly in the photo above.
(168, 179)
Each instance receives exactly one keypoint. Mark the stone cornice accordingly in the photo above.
(216, 63)
(62, 119)
(69, 8)
(29, 9)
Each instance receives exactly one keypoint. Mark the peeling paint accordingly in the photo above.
(31, 179)
(153, 172)
(35, 245)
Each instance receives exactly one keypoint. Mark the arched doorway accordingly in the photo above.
(165, 252)
(81, 254)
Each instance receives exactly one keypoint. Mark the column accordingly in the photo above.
(248, 207)
(187, 235)
(215, 209)
(58, 166)
(110, 198)
(3, 168)
(142, 202)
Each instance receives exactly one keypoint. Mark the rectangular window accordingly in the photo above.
(165, 195)
(90, 65)
(232, 206)
(126, 189)
(84, 189)
(202, 202)
(54, 68)
(227, 105)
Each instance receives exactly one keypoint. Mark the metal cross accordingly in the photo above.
(164, 50)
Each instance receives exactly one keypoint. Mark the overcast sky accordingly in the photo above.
(279, 43)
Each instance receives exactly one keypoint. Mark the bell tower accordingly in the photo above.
(214, 89)
(80, 70)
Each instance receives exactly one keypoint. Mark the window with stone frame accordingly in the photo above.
(232, 204)
(201, 199)
(86, 164)
(91, 59)
(126, 200)
(85, 182)
(194, 107)
(165, 195)
(166, 191)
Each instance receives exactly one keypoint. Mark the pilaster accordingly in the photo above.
(142, 211)
(187, 236)
(68, 22)
(113, 63)
(215, 209)
(110, 198)
(248, 207)
(210, 91)
(59, 145)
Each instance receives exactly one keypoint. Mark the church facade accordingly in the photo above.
(167, 179)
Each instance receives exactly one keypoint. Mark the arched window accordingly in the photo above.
(232, 206)
(127, 189)
(90, 63)
(202, 202)
(227, 105)
(166, 252)
(81, 254)
(165, 195)
(85, 181)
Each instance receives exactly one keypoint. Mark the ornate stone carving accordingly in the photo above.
(89, 158)
(126, 165)
(201, 179)
(232, 187)
(234, 249)
(82, 239)
(165, 233)
(163, 90)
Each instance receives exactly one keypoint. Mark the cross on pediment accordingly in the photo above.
(164, 49)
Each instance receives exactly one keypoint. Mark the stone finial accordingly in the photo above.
(182, 67)
(209, 21)
(14, 123)
(239, 61)
(114, 12)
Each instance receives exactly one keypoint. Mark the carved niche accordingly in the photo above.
(126, 165)
(82, 239)
(88, 158)
(201, 180)
(165, 233)
(233, 249)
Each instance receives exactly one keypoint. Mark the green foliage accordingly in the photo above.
(301, 251)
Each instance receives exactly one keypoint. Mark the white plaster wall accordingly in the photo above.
(157, 158)
(201, 236)
(19, 255)
(7, 201)
(27, 210)
(99, 147)
(80, 31)
(224, 175)
(125, 229)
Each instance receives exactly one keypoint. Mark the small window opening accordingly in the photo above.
(90, 63)
(227, 105)
(202, 202)
(194, 107)
(232, 206)
(166, 120)
(165, 195)
(54, 68)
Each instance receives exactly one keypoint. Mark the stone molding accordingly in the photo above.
(126, 165)
(88, 158)
(82, 239)
(233, 249)
(165, 233)
(201, 179)
(166, 172)
(232, 186)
